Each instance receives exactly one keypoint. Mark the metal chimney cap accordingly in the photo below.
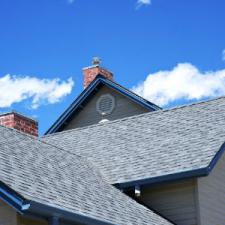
(96, 61)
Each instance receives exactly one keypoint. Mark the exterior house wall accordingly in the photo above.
(123, 107)
(211, 193)
(27, 221)
(176, 201)
(8, 215)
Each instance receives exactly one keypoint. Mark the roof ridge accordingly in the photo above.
(39, 140)
(135, 116)
(20, 132)
(99, 80)
(85, 159)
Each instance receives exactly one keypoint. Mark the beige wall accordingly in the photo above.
(8, 215)
(27, 221)
(88, 116)
(176, 201)
(193, 202)
(211, 192)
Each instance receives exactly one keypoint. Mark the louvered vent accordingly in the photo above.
(105, 104)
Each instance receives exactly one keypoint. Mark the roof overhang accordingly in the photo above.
(201, 172)
(89, 91)
(43, 211)
(47, 211)
(13, 199)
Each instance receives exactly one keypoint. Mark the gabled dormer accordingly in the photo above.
(102, 100)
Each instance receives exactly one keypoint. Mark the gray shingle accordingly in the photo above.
(45, 174)
(152, 144)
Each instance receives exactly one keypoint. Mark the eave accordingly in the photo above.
(201, 172)
(43, 211)
(87, 93)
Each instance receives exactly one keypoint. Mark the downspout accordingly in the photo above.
(54, 220)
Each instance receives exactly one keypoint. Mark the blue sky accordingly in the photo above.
(169, 51)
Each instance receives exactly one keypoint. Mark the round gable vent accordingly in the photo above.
(105, 104)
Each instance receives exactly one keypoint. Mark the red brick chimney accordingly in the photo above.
(91, 72)
(19, 122)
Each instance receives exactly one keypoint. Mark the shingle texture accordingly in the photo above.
(152, 144)
(45, 174)
(88, 92)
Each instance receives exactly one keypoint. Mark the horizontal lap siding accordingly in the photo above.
(175, 201)
(27, 221)
(124, 107)
(7, 214)
(211, 192)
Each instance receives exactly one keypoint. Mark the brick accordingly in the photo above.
(19, 122)
(90, 74)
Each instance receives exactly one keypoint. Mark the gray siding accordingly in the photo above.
(88, 116)
(176, 201)
(8, 215)
(211, 192)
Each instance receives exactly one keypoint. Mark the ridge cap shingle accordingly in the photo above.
(43, 177)
(150, 145)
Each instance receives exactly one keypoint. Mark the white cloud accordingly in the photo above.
(70, 1)
(143, 2)
(223, 55)
(183, 82)
(15, 89)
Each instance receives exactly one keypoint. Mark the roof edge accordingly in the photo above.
(50, 211)
(44, 211)
(177, 176)
(216, 158)
(79, 100)
(13, 199)
(164, 178)
(23, 206)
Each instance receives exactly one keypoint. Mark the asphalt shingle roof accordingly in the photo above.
(88, 92)
(150, 145)
(45, 174)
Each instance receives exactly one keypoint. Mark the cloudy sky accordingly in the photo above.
(171, 52)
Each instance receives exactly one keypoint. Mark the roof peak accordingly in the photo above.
(135, 116)
(98, 81)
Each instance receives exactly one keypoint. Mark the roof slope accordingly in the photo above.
(42, 173)
(89, 92)
(151, 145)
